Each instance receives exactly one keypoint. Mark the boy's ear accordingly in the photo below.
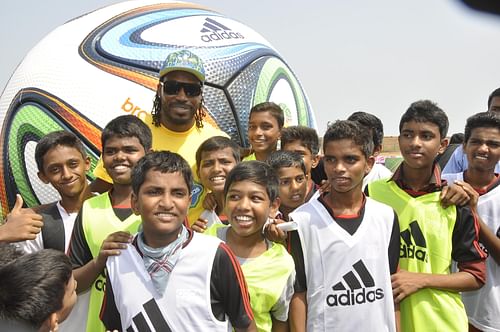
(87, 164)
(315, 161)
(443, 145)
(42, 177)
(370, 161)
(52, 322)
(275, 206)
(134, 204)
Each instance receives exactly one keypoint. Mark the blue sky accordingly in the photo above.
(376, 56)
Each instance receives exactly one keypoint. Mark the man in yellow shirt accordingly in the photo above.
(176, 120)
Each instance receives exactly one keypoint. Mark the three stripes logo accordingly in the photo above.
(359, 282)
(213, 31)
(158, 322)
(413, 244)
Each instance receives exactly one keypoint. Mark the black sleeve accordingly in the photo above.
(366, 191)
(298, 258)
(228, 289)
(109, 313)
(465, 237)
(79, 252)
(394, 244)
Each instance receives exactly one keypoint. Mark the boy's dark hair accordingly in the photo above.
(372, 122)
(9, 252)
(54, 139)
(426, 111)
(257, 172)
(273, 109)
(495, 93)
(164, 162)
(128, 126)
(457, 138)
(282, 158)
(481, 120)
(217, 143)
(346, 129)
(307, 137)
(33, 286)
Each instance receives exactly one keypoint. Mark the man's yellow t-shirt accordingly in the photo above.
(184, 143)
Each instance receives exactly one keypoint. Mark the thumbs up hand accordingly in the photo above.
(21, 224)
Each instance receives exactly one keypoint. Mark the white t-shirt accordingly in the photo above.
(483, 305)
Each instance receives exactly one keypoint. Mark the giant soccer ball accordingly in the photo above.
(105, 64)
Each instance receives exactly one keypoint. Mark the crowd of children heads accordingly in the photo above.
(379, 223)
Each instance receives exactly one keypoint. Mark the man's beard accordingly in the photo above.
(167, 115)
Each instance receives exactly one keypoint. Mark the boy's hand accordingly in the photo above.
(209, 203)
(404, 284)
(199, 225)
(21, 224)
(453, 195)
(471, 192)
(273, 233)
(111, 246)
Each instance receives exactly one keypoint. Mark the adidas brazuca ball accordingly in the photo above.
(105, 64)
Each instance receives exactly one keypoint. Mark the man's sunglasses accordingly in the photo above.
(174, 87)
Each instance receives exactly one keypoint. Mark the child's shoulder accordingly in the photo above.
(97, 201)
(374, 205)
(204, 239)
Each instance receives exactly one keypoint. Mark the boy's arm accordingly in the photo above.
(393, 254)
(109, 314)
(466, 251)
(20, 224)
(298, 304)
(298, 312)
(86, 268)
(397, 318)
(490, 241)
(405, 283)
(111, 246)
(228, 291)
(279, 326)
(487, 237)
(394, 244)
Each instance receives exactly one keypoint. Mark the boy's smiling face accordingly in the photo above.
(162, 202)
(248, 206)
(420, 143)
(64, 168)
(263, 131)
(119, 156)
(214, 167)
(483, 148)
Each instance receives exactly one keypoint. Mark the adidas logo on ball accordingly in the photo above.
(214, 31)
(358, 292)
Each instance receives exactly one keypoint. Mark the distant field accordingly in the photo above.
(390, 156)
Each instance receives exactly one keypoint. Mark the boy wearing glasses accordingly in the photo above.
(176, 120)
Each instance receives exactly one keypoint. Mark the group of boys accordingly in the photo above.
(141, 264)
